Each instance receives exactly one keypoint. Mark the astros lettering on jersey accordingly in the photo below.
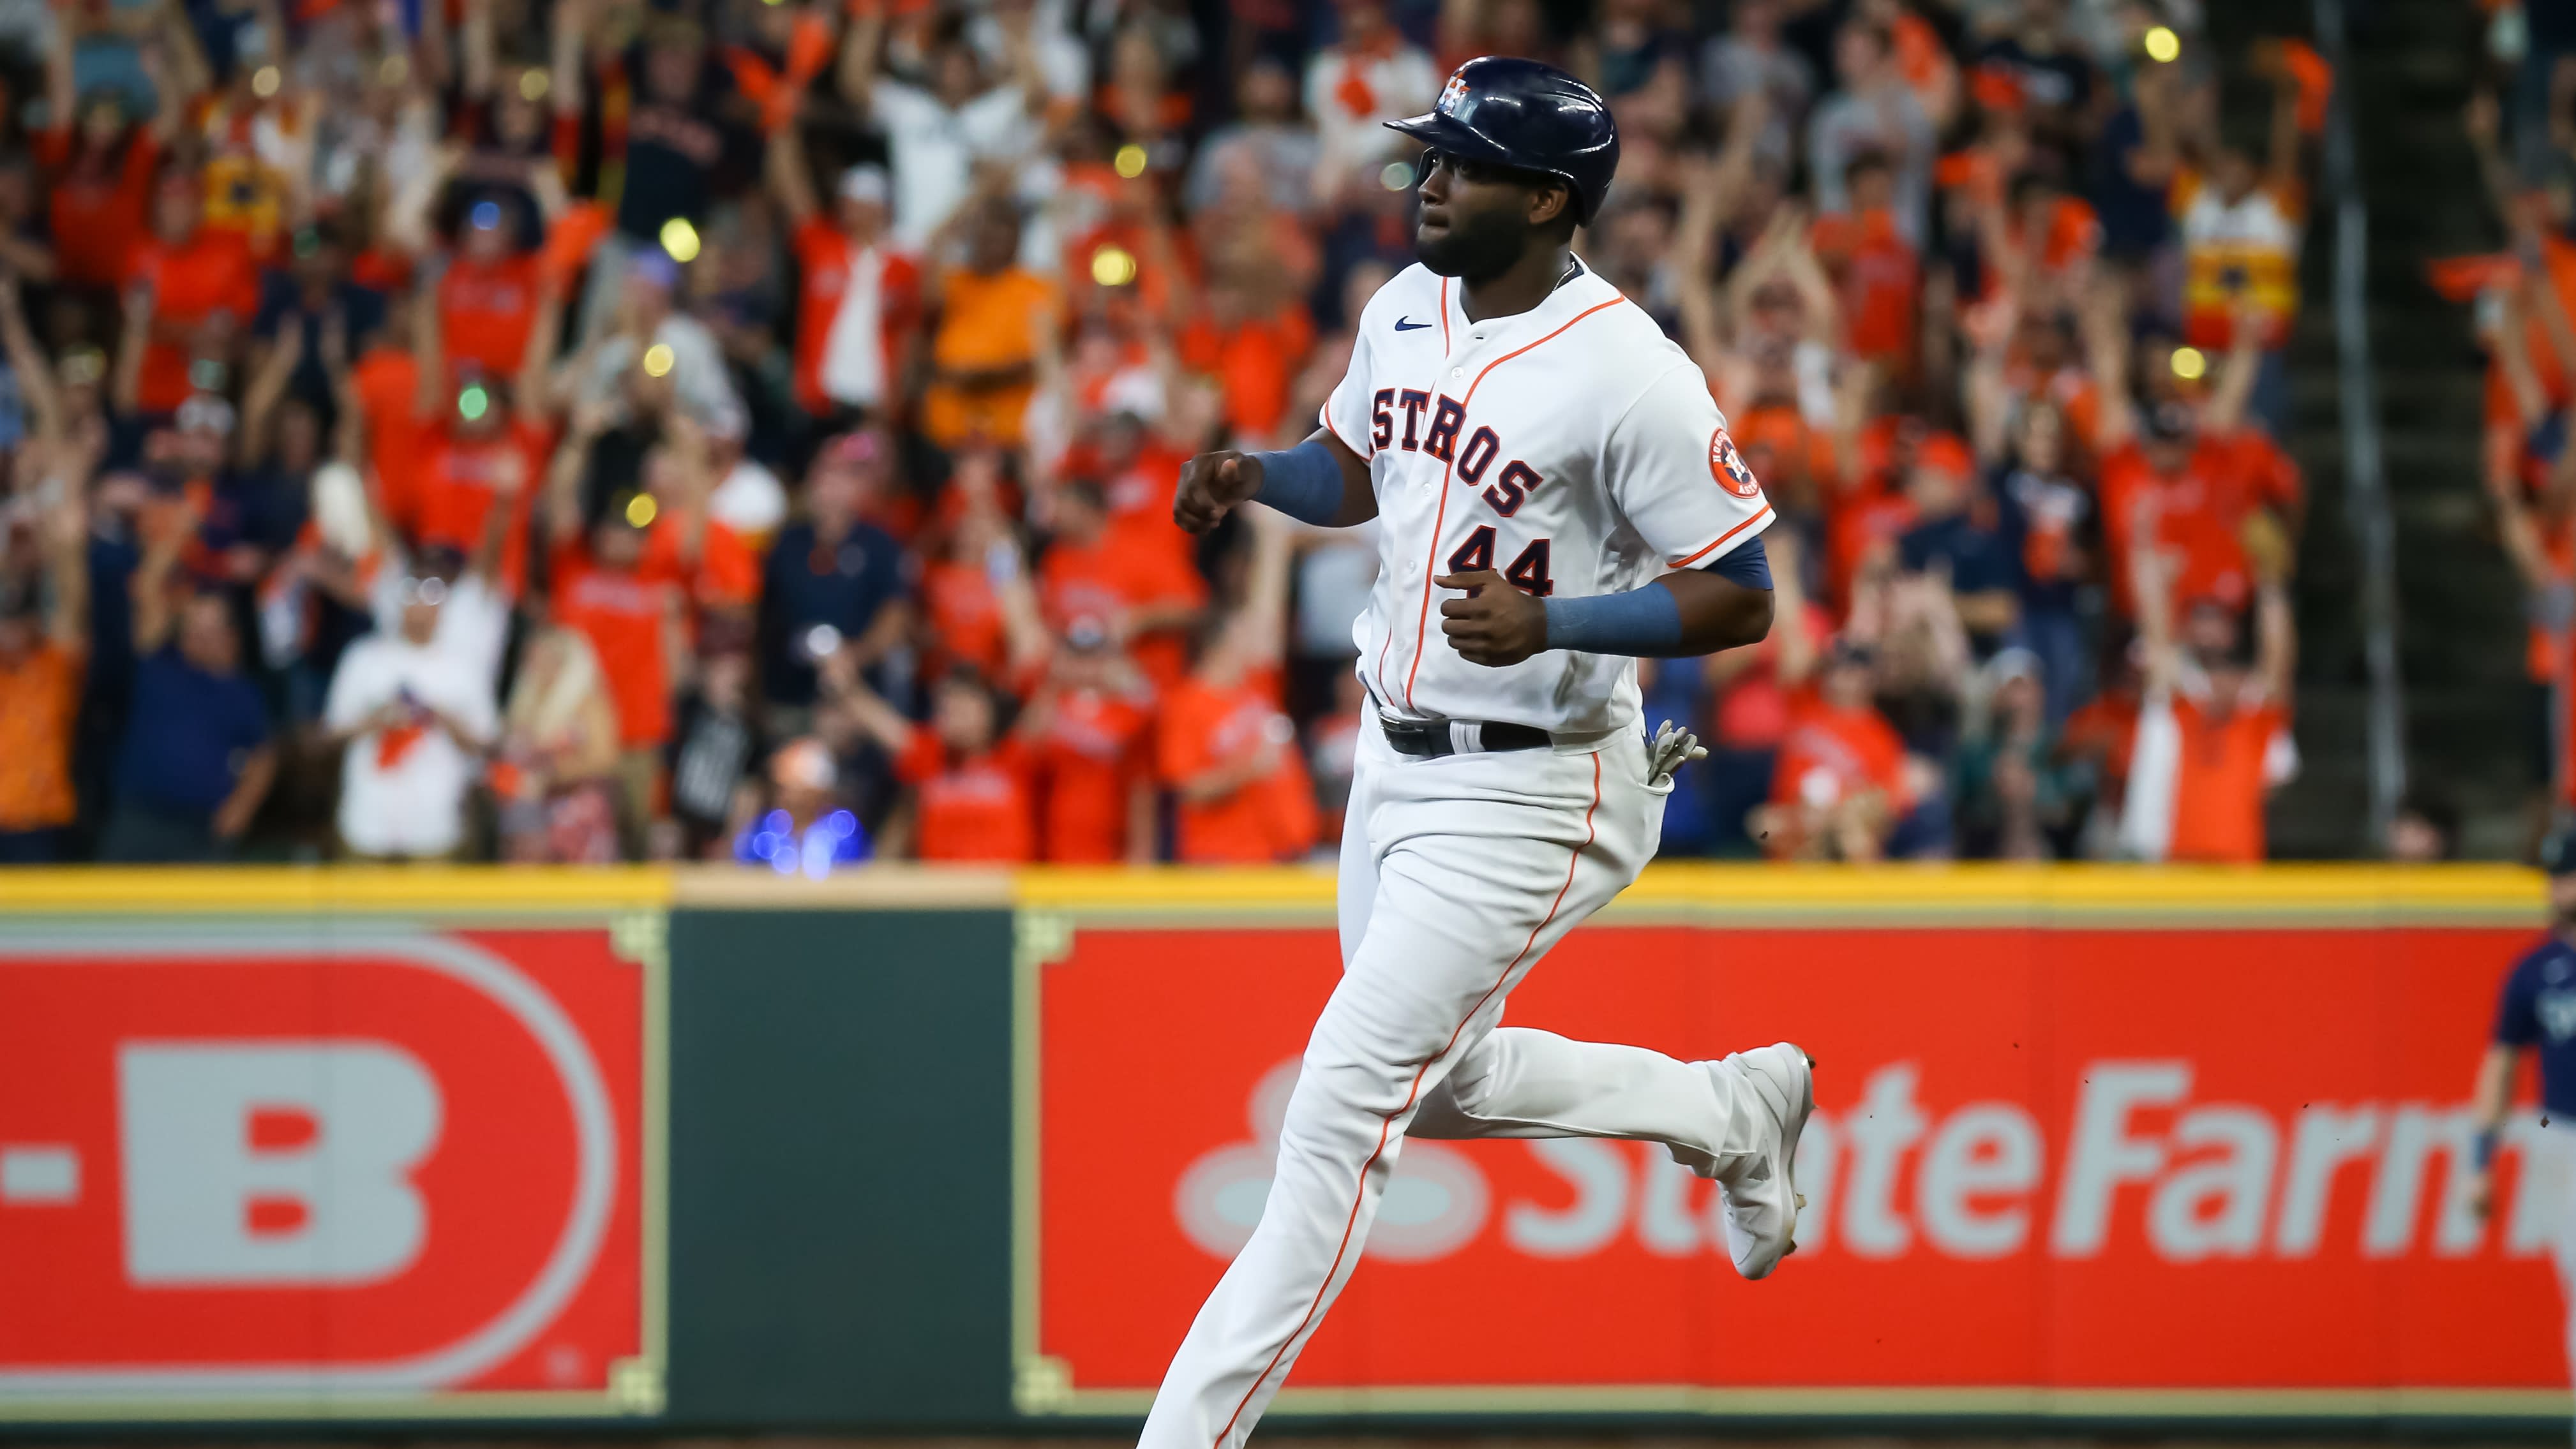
(1572, 447)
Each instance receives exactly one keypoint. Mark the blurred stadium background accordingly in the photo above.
(621, 815)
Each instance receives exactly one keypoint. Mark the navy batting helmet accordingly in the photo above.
(2558, 853)
(1511, 112)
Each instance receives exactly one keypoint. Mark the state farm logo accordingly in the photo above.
(1434, 1205)
(296, 1163)
(1884, 1179)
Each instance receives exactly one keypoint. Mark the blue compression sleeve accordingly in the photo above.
(1303, 482)
(1748, 565)
(1645, 621)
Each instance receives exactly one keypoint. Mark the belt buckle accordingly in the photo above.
(1421, 739)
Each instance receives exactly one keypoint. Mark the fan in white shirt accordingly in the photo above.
(414, 706)
(1353, 88)
(937, 134)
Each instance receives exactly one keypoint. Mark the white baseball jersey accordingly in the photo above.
(1572, 447)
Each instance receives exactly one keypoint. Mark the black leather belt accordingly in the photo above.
(1428, 739)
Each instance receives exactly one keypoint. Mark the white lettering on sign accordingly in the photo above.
(2215, 1206)
(1879, 1132)
(39, 1174)
(1886, 1176)
(1435, 1201)
(2415, 1135)
(2327, 1138)
(282, 1162)
(2104, 1155)
(1598, 1173)
(1973, 1194)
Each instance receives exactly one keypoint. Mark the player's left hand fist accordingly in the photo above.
(1495, 624)
(1211, 485)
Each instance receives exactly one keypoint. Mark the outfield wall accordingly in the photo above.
(923, 1151)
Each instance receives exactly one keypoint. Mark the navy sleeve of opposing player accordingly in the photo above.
(2517, 1023)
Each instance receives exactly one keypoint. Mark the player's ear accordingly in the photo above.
(1551, 202)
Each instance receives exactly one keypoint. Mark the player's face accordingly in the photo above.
(2562, 901)
(1477, 219)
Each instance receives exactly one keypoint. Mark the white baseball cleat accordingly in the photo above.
(1761, 1200)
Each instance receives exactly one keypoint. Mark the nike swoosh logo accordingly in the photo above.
(1407, 325)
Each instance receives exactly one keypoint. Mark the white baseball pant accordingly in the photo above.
(1457, 875)
(2550, 1152)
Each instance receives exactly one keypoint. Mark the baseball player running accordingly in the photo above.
(1557, 496)
(2537, 1013)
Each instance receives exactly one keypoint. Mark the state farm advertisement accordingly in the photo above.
(313, 1168)
(2182, 1161)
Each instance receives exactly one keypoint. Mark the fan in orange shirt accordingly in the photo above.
(858, 299)
(101, 166)
(1140, 465)
(684, 544)
(2193, 490)
(2213, 736)
(984, 349)
(2049, 238)
(488, 297)
(472, 431)
(972, 802)
(386, 380)
(978, 602)
(1252, 349)
(1880, 276)
(635, 619)
(465, 455)
(2039, 366)
(1091, 725)
(1136, 583)
(44, 651)
(1226, 748)
(1839, 784)
(191, 289)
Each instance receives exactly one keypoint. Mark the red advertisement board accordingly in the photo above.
(277, 1168)
(2122, 1170)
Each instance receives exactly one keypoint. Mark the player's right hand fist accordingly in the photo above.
(1211, 485)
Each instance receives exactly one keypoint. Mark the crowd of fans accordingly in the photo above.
(2523, 130)
(573, 430)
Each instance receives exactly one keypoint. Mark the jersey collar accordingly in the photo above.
(1581, 290)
